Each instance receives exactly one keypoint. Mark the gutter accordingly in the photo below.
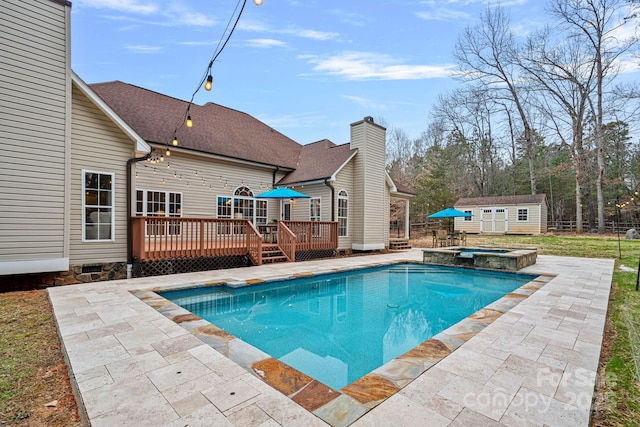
(130, 163)
(327, 182)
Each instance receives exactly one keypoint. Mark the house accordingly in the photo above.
(524, 214)
(91, 181)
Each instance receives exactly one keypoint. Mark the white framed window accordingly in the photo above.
(522, 215)
(224, 207)
(160, 203)
(343, 213)
(487, 211)
(242, 205)
(314, 209)
(468, 218)
(98, 206)
(261, 212)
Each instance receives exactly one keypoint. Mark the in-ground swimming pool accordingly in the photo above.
(339, 327)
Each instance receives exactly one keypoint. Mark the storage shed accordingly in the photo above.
(524, 214)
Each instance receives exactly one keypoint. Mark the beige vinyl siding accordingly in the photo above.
(300, 208)
(344, 181)
(98, 145)
(535, 225)
(357, 199)
(200, 200)
(532, 226)
(34, 104)
(370, 185)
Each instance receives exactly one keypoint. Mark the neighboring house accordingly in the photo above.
(80, 161)
(526, 214)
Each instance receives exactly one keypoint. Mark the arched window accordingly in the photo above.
(243, 191)
(343, 213)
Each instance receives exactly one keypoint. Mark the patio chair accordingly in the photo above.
(442, 238)
(463, 238)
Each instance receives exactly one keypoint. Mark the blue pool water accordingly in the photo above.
(339, 327)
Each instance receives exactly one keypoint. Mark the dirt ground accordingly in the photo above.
(34, 382)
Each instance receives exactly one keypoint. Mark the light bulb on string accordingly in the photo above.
(189, 122)
(175, 140)
(258, 2)
(209, 84)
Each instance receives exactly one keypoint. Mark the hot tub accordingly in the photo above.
(484, 257)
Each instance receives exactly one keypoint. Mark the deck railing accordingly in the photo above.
(157, 238)
(167, 237)
(287, 241)
(312, 235)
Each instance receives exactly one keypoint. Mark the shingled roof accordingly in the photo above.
(319, 160)
(217, 130)
(501, 200)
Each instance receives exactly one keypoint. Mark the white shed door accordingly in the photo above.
(494, 220)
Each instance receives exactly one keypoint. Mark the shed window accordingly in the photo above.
(98, 206)
(523, 214)
(468, 218)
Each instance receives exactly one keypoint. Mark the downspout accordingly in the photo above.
(327, 182)
(130, 163)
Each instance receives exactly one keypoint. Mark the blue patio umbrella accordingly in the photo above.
(449, 213)
(282, 193)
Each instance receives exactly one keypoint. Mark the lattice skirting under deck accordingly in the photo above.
(187, 265)
(314, 254)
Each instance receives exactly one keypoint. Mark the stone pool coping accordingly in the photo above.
(344, 406)
(509, 258)
(534, 365)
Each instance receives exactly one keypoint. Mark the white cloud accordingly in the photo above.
(308, 34)
(443, 14)
(166, 13)
(365, 103)
(372, 66)
(144, 48)
(254, 26)
(194, 19)
(263, 43)
(133, 6)
(300, 120)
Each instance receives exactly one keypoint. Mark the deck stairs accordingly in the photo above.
(271, 253)
(399, 244)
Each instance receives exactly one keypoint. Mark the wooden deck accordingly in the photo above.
(156, 238)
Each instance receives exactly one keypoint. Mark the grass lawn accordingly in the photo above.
(35, 390)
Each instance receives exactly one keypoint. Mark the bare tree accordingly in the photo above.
(487, 53)
(565, 71)
(595, 23)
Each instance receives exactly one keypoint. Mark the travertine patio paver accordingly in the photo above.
(534, 365)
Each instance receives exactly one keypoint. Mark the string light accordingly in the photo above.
(207, 78)
(209, 84)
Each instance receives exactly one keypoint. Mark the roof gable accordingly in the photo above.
(319, 160)
(502, 200)
(216, 130)
(141, 146)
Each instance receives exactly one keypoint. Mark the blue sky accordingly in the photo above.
(308, 68)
